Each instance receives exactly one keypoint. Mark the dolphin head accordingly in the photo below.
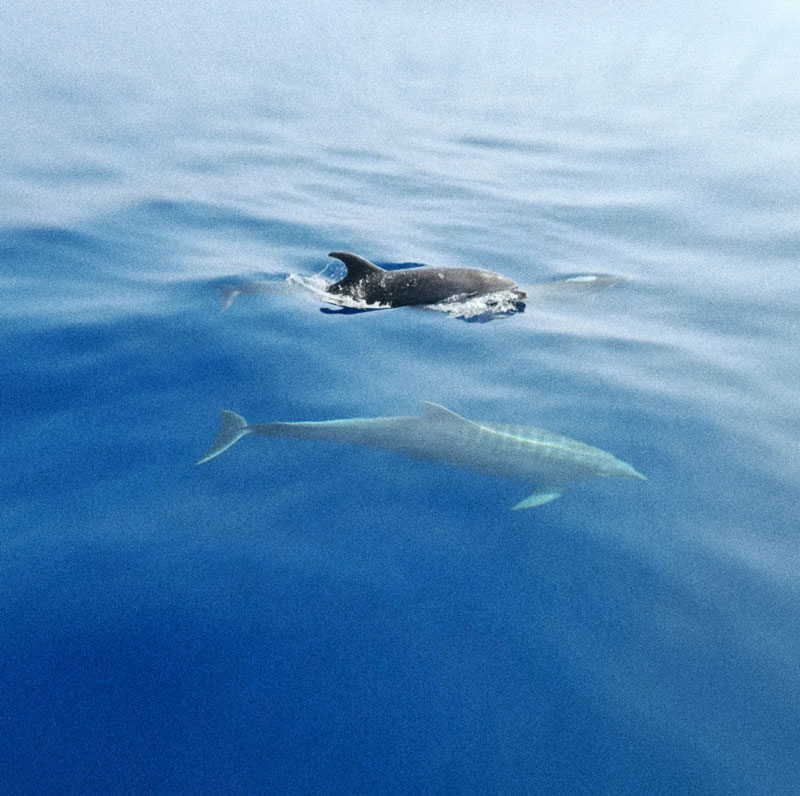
(488, 281)
(606, 465)
(624, 470)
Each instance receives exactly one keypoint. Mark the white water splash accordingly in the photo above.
(482, 308)
(318, 286)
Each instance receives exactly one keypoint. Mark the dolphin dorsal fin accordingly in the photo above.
(439, 412)
(357, 267)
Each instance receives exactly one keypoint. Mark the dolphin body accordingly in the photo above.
(548, 460)
(418, 286)
(569, 286)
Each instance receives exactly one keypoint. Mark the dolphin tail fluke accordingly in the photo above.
(227, 295)
(232, 428)
(539, 498)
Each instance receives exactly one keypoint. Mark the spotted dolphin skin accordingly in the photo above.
(406, 287)
(548, 460)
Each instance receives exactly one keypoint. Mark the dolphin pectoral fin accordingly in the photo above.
(227, 295)
(539, 498)
(232, 428)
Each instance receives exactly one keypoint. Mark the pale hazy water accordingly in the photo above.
(298, 618)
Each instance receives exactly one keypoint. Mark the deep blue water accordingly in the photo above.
(302, 618)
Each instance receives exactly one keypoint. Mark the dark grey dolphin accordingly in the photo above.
(570, 286)
(413, 287)
(549, 460)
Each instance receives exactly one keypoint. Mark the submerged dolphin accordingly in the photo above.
(229, 292)
(548, 460)
(572, 286)
(407, 287)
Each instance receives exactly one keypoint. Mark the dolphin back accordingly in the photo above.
(414, 286)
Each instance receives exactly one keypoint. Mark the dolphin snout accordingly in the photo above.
(633, 473)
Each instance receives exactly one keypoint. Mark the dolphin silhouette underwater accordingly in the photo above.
(543, 458)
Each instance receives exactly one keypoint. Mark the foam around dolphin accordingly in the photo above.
(407, 287)
(542, 458)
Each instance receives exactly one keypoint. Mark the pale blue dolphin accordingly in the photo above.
(548, 460)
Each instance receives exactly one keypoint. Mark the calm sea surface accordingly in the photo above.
(301, 618)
